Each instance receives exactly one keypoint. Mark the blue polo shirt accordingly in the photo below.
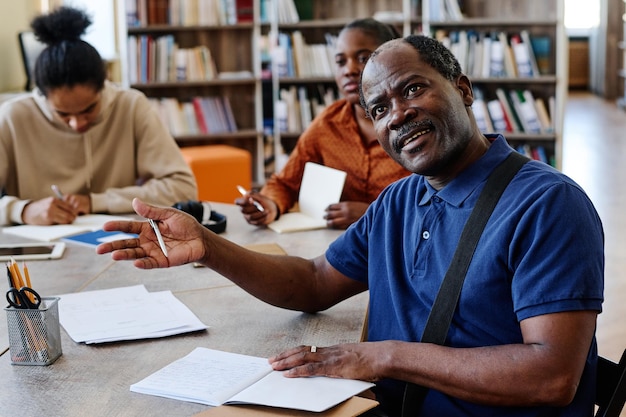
(541, 252)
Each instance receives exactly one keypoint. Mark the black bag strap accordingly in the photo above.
(443, 308)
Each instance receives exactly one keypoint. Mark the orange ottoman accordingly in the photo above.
(218, 170)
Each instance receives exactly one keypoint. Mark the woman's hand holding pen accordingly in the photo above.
(80, 203)
(48, 211)
(251, 211)
(181, 234)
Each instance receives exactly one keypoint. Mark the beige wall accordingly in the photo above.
(15, 16)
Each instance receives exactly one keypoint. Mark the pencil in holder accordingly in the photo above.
(35, 334)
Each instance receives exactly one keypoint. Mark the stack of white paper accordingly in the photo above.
(126, 313)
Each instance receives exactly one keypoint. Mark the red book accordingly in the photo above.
(245, 11)
(197, 107)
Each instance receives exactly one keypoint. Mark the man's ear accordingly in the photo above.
(465, 87)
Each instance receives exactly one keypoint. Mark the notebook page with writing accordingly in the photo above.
(213, 377)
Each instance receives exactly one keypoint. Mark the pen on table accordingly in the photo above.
(157, 232)
(57, 191)
(258, 205)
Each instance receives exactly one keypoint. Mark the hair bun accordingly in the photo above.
(62, 24)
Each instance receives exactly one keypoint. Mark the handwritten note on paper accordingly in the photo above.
(205, 378)
(213, 377)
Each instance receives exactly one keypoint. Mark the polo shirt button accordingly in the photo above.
(425, 235)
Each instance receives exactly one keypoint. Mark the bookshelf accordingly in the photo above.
(296, 94)
(252, 68)
(542, 23)
(199, 53)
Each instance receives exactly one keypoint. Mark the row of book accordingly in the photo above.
(516, 111)
(188, 12)
(286, 11)
(205, 12)
(200, 116)
(444, 10)
(295, 108)
(498, 54)
(294, 57)
(160, 59)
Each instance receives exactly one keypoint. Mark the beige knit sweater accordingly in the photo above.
(128, 153)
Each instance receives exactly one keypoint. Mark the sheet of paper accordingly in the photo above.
(278, 391)
(213, 377)
(321, 186)
(85, 223)
(125, 313)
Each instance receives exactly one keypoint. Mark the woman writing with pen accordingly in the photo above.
(99, 144)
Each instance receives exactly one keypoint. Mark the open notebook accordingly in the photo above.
(214, 377)
(321, 186)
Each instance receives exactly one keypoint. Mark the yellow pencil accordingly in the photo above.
(17, 277)
(27, 276)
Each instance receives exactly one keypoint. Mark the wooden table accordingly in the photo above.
(95, 380)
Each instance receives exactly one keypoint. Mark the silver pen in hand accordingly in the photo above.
(157, 232)
(57, 191)
(258, 205)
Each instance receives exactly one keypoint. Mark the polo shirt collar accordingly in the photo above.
(461, 187)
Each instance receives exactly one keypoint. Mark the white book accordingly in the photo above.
(214, 377)
(481, 113)
(531, 54)
(320, 187)
(305, 107)
(526, 111)
(453, 10)
(522, 57)
(133, 70)
(497, 116)
(82, 224)
(496, 61)
(282, 115)
(485, 67)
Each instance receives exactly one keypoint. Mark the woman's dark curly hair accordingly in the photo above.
(67, 60)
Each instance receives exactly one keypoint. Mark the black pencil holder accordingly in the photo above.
(35, 334)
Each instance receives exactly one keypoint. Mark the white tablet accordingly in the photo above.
(31, 251)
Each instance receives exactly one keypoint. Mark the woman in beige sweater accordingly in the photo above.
(101, 145)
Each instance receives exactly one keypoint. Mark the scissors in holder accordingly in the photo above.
(25, 297)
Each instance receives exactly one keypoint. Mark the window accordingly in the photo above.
(581, 16)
